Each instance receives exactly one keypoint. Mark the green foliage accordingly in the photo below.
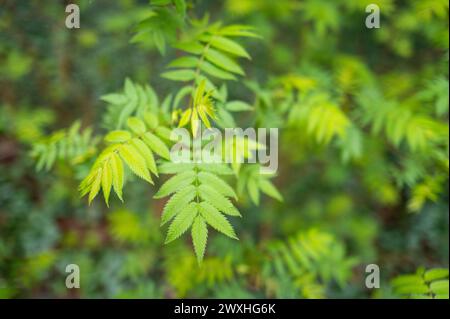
(161, 24)
(72, 145)
(363, 142)
(436, 92)
(200, 198)
(252, 182)
(184, 275)
(134, 100)
(16, 64)
(400, 124)
(423, 284)
(126, 227)
(132, 148)
(312, 260)
(211, 53)
(26, 124)
(323, 119)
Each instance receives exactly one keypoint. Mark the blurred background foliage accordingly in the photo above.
(363, 117)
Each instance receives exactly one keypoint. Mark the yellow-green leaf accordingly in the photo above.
(95, 186)
(146, 153)
(199, 233)
(117, 137)
(227, 45)
(106, 181)
(157, 145)
(135, 162)
(117, 174)
(179, 75)
(136, 125)
(223, 61)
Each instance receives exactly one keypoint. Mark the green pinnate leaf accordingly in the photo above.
(151, 120)
(180, 6)
(136, 125)
(175, 168)
(184, 62)
(146, 153)
(118, 137)
(238, 106)
(135, 162)
(176, 183)
(156, 144)
(95, 186)
(130, 89)
(216, 219)
(163, 132)
(219, 169)
(106, 181)
(177, 202)
(435, 274)
(236, 30)
(440, 287)
(193, 47)
(253, 191)
(117, 174)
(114, 98)
(407, 280)
(182, 222)
(216, 72)
(224, 44)
(217, 183)
(269, 189)
(199, 233)
(413, 289)
(179, 75)
(85, 185)
(219, 201)
(223, 61)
